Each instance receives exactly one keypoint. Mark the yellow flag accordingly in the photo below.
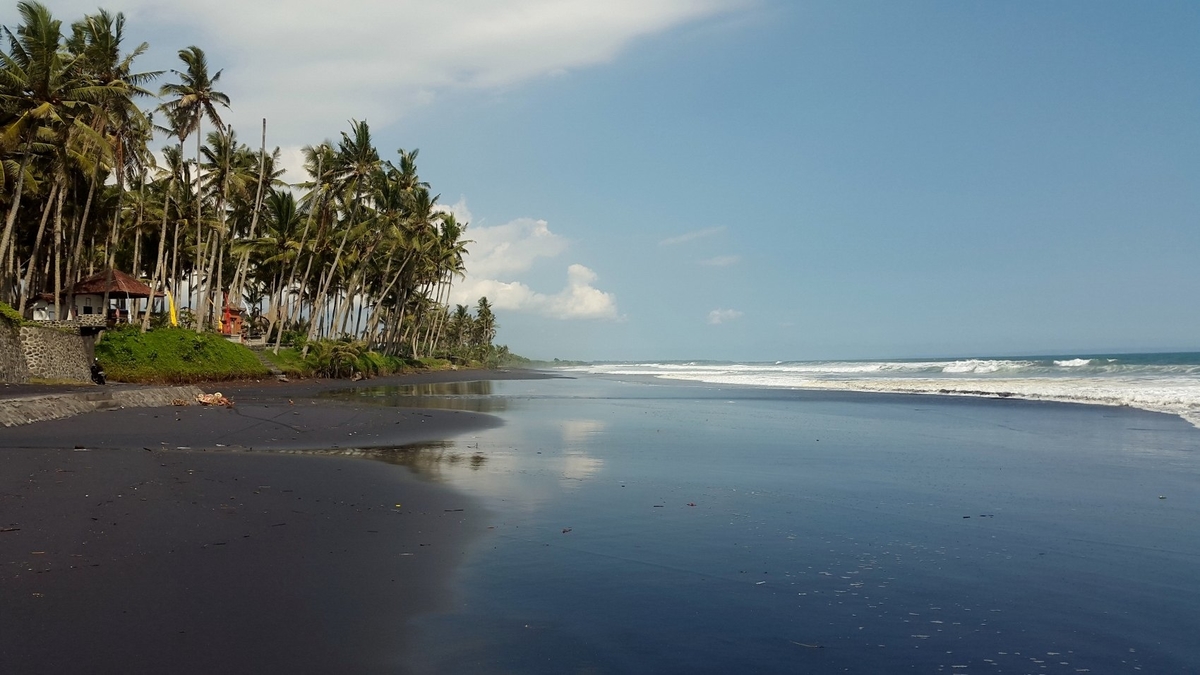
(171, 304)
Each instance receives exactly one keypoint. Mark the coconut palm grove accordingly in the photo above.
(109, 167)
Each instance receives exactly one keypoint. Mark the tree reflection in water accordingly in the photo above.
(432, 460)
(474, 396)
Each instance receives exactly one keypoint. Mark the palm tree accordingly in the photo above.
(275, 249)
(194, 98)
(355, 162)
(41, 87)
(97, 40)
(240, 274)
(485, 326)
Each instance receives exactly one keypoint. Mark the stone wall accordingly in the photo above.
(85, 321)
(12, 357)
(55, 354)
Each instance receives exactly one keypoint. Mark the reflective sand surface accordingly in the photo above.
(660, 528)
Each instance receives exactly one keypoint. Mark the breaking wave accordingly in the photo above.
(1168, 383)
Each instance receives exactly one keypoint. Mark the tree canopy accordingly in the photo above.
(358, 249)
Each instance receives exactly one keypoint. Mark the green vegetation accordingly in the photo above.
(350, 358)
(10, 315)
(174, 355)
(357, 256)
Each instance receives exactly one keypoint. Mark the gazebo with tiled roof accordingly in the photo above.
(89, 293)
(123, 286)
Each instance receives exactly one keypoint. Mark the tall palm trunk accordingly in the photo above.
(26, 290)
(111, 258)
(337, 257)
(198, 270)
(296, 263)
(175, 281)
(74, 263)
(6, 238)
(159, 261)
(62, 195)
(239, 277)
(324, 291)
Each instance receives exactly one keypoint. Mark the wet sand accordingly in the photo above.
(143, 541)
(607, 527)
(687, 529)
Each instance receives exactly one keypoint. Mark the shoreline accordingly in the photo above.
(199, 539)
(945, 388)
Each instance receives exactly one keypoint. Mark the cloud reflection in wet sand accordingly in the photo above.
(577, 464)
(503, 464)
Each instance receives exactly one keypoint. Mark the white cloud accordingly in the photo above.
(291, 160)
(500, 254)
(309, 65)
(579, 300)
(719, 316)
(692, 236)
(512, 247)
(722, 261)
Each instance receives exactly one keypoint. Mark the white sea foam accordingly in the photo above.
(984, 366)
(1166, 388)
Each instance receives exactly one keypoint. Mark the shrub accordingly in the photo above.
(10, 315)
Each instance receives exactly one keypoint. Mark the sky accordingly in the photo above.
(761, 179)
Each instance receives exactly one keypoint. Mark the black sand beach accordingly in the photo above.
(605, 527)
(141, 540)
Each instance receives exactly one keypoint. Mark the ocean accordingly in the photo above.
(1158, 382)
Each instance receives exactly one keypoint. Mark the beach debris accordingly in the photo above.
(179, 402)
(214, 399)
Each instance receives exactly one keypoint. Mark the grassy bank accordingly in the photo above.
(174, 355)
(178, 355)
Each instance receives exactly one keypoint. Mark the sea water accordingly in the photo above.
(659, 527)
(1162, 382)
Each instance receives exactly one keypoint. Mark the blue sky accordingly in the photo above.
(760, 180)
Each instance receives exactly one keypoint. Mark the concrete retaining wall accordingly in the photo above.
(39, 408)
